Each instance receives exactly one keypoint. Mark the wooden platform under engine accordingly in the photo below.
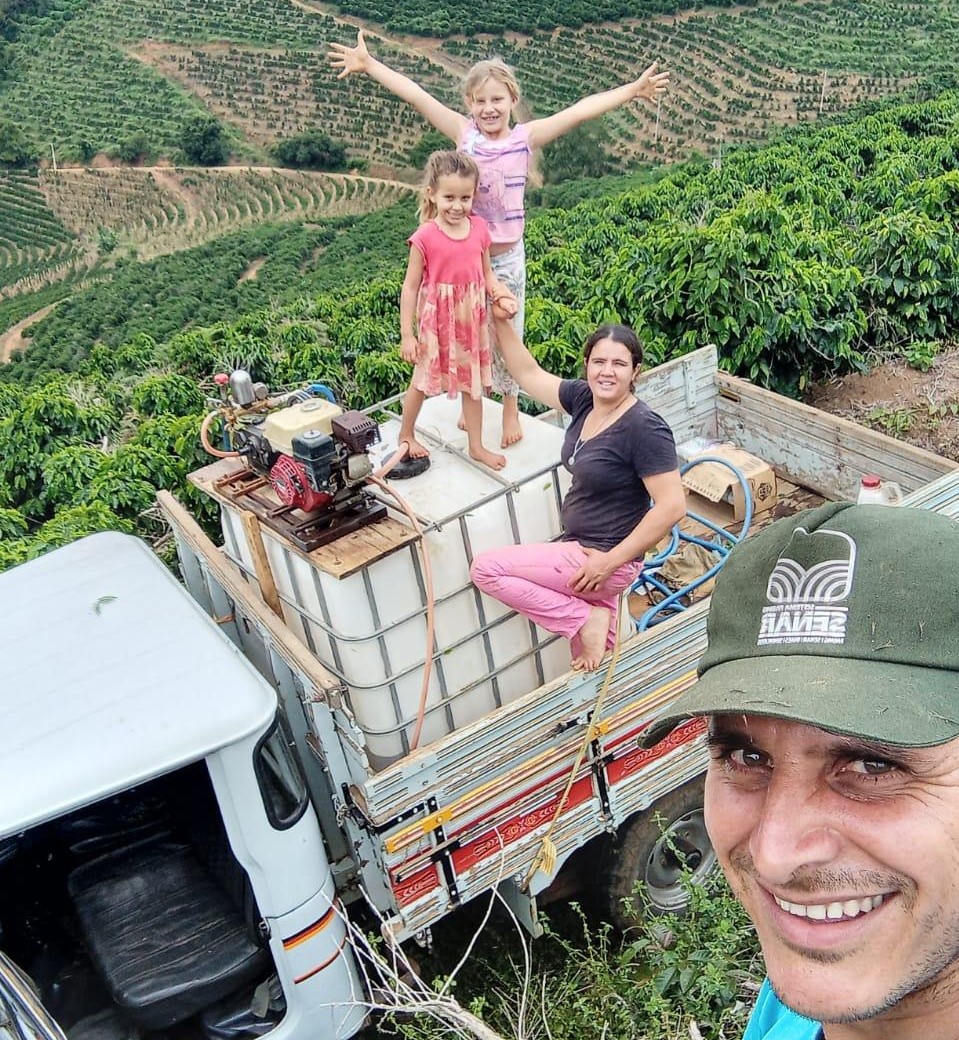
(346, 547)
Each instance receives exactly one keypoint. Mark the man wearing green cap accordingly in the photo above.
(831, 684)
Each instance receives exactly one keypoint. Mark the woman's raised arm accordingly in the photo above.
(541, 385)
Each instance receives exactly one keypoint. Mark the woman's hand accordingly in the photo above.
(349, 59)
(505, 305)
(594, 572)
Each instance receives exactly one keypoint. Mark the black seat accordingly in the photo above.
(171, 921)
(164, 936)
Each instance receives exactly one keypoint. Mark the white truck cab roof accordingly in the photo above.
(113, 675)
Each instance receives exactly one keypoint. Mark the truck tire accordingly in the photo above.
(650, 853)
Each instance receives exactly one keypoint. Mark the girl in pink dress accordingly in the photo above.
(443, 325)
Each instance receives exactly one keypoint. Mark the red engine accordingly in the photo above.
(292, 486)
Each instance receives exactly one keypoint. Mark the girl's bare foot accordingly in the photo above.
(414, 450)
(592, 638)
(512, 431)
(488, 458)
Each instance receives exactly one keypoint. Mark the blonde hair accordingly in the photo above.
(442, 164)
(491, 68)
(496, 68)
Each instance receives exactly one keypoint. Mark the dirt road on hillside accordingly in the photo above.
(13, 338)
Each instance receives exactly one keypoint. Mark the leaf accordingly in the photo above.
(101, 603)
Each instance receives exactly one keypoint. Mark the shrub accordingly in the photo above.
(134, 149)
(13, 524)
(311, 150)
(167, 392)
(203, 141)
(431, 141)
(16, 149)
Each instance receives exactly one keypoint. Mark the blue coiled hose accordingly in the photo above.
(672, 602)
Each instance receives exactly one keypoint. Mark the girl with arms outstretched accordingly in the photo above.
(501, 150)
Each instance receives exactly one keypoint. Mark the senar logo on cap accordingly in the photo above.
(806, 590)
(844, 617)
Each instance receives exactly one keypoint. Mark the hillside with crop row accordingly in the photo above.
(88, 76)
(34, 243)
(58, 221)
(834, 245)
(737, 75)
(80, 80)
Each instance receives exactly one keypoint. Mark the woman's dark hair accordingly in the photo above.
(618, 334)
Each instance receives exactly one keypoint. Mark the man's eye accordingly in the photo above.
(738, 758)
(872, 766)
(746, 757)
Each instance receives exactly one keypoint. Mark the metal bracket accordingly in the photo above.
(522, 904)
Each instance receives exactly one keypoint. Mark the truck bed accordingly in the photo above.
(469, 811)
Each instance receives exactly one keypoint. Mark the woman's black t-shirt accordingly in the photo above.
(608, 497)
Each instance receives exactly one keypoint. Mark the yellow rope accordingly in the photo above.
(545, 858)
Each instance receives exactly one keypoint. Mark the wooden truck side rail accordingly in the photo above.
(823, 452)
(820, 451)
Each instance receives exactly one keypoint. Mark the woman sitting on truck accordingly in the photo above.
(625, 496)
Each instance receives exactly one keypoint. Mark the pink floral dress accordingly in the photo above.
(451, 311)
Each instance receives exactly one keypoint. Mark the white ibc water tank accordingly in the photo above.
(369, 628)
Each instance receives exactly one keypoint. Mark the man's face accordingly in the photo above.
(846, 856)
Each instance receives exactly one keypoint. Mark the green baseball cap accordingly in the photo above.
(845, 617)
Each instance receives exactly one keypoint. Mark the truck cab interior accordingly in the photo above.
(132, 916)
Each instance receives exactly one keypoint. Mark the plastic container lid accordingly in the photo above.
(870, 480)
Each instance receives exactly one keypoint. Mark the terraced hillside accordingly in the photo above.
(268, 93)
(736, 75)
(69, 217)
(102, 72)
(73, 82)
(160, 210)
(34, 244)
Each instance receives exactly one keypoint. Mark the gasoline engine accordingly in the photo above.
(314, 454)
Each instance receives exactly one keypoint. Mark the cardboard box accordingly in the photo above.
(717, 483)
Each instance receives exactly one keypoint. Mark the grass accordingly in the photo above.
(586, 980)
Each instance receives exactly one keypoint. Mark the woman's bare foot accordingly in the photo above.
(592, 638)
(512, 431)
(414, 450)
(488, 458)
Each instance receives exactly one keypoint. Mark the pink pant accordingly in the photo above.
(534, 580)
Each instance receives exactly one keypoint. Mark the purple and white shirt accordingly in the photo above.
(503, 165)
